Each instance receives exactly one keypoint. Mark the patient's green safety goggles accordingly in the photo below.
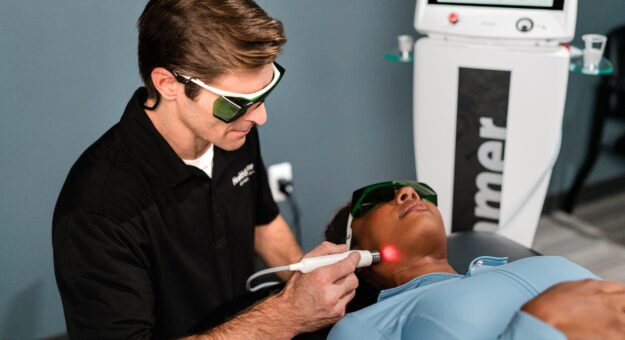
(231, 106)
(366, 198)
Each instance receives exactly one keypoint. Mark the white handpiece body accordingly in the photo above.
(309, 264)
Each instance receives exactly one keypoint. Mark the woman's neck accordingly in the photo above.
(397, 274)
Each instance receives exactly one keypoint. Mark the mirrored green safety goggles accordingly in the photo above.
(231, 106)
(366, 198)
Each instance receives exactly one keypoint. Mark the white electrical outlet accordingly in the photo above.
(275, 173)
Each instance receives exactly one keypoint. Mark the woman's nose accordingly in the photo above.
(404, 194)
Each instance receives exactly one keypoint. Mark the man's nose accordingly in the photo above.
(258, 115)
(404, 194)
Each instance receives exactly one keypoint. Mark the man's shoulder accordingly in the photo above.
(103, 179)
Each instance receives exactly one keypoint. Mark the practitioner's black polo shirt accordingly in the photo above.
(145, 245)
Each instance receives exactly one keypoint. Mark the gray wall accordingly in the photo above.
(594, 16)
(342, 116)
(67, 68)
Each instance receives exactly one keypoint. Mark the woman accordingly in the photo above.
(423, 297)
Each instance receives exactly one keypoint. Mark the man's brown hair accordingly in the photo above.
(205, 39)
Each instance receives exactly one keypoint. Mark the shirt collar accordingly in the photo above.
(158, 161)
(204, 162)
(478, 264)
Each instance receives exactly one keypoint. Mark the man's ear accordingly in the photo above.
(166, 84)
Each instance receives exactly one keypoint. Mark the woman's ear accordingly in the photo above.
(166, 84)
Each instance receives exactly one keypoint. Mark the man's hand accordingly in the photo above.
(586, 309)
(318, 299)
(307, 303)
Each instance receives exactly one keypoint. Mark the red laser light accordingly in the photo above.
(389, 254)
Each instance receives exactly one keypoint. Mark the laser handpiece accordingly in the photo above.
(307, 265)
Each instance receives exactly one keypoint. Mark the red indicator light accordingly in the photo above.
(453, 18)
(389, 254)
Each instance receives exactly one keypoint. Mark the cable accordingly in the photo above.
(287, 188)
(261, 273)
(296, 218)
(308, 264)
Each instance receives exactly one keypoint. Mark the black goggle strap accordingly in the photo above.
(157, 101)
(182, 79)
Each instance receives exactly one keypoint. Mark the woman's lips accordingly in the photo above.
(412, 206)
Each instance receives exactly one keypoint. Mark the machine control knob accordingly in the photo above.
(524, 25)
(453, 18)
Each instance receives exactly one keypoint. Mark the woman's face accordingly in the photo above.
(406, 225)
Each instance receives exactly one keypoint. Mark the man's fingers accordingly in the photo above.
(332, 274)
(348, 283)
(327, 248)
(344, 300)
(344, 267)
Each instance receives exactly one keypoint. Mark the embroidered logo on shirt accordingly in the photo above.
(243, 176)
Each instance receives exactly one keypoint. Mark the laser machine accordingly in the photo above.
(490, 83)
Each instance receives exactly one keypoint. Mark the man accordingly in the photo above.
(423, 297)
(158, 221)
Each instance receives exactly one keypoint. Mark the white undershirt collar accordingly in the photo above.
(204, 162)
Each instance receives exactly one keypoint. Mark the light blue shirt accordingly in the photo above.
(483, 304)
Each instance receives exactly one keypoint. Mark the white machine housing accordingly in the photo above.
(499, 21)
(490, 176)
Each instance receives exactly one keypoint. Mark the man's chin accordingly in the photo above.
(233, 144)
